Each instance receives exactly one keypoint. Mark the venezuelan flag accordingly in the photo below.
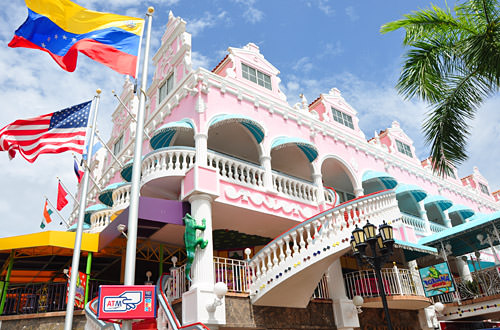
(63, 28)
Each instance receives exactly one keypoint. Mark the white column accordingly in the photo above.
(463, 269)
(447, 220)
(265, 162)
(493, 250)
(358, 192)
(200, 143)
(318, 182)
(202, 269)
(346, 316)
(200, 294)
(423, 215)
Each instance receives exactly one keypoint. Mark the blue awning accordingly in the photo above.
(94, 208)
(417, 192)
(126, 171)
(413, 251)
(163, 136)
(463, 210)
(307, 147)
(463, 238)
(387, 180)
(443, 202)
(73, 228)
(106, 195)
(250, 124)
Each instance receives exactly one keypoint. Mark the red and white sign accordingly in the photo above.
(125, 302)
(81, 283)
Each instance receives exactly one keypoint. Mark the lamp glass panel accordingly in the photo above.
(386, 232)
(380, 242)
(359, 236)
(369, 230)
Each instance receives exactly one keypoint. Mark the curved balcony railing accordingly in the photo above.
(100, 220)
(396, 282)
(419, 224)
(294, 187)
(307, 237)
(235, 170)
(121, 197)
(172, 161)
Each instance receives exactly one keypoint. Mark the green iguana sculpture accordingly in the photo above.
(191, 240)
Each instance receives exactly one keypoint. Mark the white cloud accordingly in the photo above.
(322, 5)
(208, 20)
(351, 13)
(200, 60)
(251, 13)
(304, 64)
(331, 49)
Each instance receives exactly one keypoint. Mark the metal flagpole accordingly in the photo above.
(68, 321)
(59, 214)
(133, 210)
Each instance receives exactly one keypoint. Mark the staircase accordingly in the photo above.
(286, 271)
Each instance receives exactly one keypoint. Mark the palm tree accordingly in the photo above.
(453, 63)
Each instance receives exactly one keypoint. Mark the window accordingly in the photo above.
(256, 76)
(404, 148)
(484, 188)
(166, 88)
(118, 146)
(342, 118)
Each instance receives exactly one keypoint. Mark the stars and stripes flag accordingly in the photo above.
(51, 133)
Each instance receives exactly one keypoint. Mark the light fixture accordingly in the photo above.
(66, 272)
(386, 232)
(369, 230)
(220, 290)
(122, 228)
(439, 307)
(248, 251)
(148, 275)
(358, 302)
(359, 235)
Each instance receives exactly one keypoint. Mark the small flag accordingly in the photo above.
(61, 197)
(46, 215)
(63, 28)
(51, 133)
(78, 172)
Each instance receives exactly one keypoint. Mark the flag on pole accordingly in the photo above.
(51, 133)
(78, 172)
(61, 197)
(63, 28)
(46, 215)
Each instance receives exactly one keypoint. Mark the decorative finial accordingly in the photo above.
(98, 91)
(151, 10)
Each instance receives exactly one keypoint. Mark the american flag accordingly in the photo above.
(51, 133)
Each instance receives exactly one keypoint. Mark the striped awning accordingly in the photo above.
(106, 195)
(250, 124)
(443, 202)
(463, 210)
(94, 208)
(162, 137)
(387, 180)
(417, 192)
(307, 147)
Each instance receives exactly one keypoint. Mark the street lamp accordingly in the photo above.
(381, 247)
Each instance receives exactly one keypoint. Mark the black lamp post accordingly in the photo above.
(381, 247)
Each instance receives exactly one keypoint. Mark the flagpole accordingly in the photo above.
(136, 173)
(70, 308)
(66, 189)
(59, 214)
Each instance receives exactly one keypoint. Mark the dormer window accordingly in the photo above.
(404, 148)
(483, 188)
(166, 88)
(118, 146)
(256, 76)
(342, 118)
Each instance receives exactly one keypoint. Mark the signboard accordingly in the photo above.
(125, 302)
(81, 284)
(437, 279)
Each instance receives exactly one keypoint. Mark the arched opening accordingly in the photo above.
(373, 181)
(293, 157)
(336, 175)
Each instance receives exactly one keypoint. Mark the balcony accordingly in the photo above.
(402, 287)
(419, 224)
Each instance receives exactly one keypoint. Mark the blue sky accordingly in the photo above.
(316, 44)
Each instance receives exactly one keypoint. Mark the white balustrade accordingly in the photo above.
(100, 220)
(292, 187)
(396, 281)
(235, 170)
(316, 235)
(234, 273)
(179, 283)
(167, 162)
(321, 291)
(419, 224)
(121, 197)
